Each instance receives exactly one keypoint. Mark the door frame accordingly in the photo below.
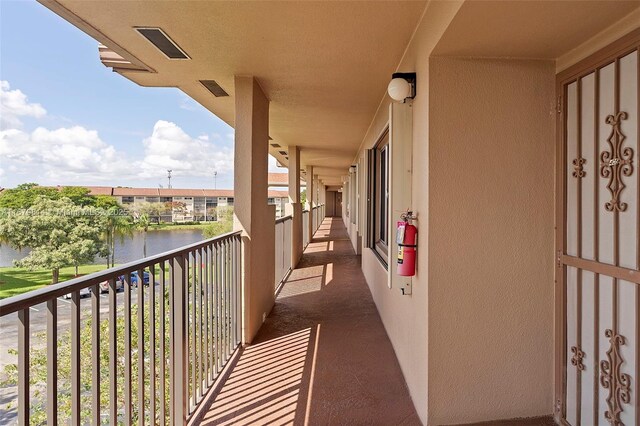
(615, 50)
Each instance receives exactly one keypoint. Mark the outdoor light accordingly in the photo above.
(402, 86)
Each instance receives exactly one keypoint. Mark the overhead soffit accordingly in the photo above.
(323, 65)
(527, 29)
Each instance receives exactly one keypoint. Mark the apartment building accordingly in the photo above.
(185, 205)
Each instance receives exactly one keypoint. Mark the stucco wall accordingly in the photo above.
(491, 171)
(405, 317)
(252, 215)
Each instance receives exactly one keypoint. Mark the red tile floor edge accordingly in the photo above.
(323, 356)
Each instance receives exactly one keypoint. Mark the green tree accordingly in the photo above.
(152, 210)
(58, 232)
(78, 194)
(118, 225)
(223, 225)
(142, 222)
(303, 196)
(23, 196)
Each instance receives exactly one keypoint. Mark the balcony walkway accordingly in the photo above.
(322, 357)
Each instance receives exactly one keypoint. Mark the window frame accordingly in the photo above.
(378, 189)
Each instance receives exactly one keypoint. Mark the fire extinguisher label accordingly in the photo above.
(400, 234)
(400, 255)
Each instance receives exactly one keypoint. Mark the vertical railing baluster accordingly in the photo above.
(95, 354)
(223, 319)
(128, 393)
(220, 307)
(24, 335)
(239, 290)
(172, 312)
(205, 314)
(194, 332)
(233, 290)
(179, 383)
(152, 344)
(227, 299)
(163, 348)
(52, 361)
(113, 351)
(199, 324)
(212, 310)
(239, 260)
(217, 308)
(223, 304)
(75, 358)
(141, 329)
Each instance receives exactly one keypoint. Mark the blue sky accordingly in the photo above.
(68, 120)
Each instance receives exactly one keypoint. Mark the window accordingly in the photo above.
(127, 200)
(378, 237)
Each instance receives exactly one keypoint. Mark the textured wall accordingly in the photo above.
(252, 213)
(491, 246)
(405, 317)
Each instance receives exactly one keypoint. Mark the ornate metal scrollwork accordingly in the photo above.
(578, 356)
(616, 163)
(612, 378)
(558, 407)
(578, 167)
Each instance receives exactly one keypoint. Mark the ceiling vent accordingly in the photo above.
(214, 88)
(275, 145)
(283, 152)
(161, 40)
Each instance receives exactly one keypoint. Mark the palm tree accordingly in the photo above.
(117, 225)
(143, 223)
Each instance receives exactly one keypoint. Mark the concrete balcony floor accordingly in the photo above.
(322, 357)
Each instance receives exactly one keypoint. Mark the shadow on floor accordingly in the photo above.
(322, 356)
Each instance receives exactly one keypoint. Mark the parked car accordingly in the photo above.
(104, 286)
(134, 278)
(85, 292)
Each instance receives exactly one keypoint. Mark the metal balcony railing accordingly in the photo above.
(305, 228)
(283, 249)
(152, 352)
(166, 337)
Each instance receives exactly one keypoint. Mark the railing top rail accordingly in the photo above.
(284, 219)
(35, 297)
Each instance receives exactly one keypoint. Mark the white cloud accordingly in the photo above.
(170, 147)
(14, 104)
(66, 153)
(77, 155)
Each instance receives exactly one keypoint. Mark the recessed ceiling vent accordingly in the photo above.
(214, 88)
(283, 152)
(161, 40)
(275, 145)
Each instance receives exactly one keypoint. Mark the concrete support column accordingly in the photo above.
(310, 190)
(323, 197)
(252, 215)
(296, 205)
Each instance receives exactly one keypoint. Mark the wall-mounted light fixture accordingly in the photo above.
(402, 86)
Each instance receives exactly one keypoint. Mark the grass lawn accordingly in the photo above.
(14, 281)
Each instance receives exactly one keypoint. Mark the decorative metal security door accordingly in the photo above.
(598, 240)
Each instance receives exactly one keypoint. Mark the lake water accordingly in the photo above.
(130, 248)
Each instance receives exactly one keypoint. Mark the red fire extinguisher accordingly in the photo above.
(407, 240)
